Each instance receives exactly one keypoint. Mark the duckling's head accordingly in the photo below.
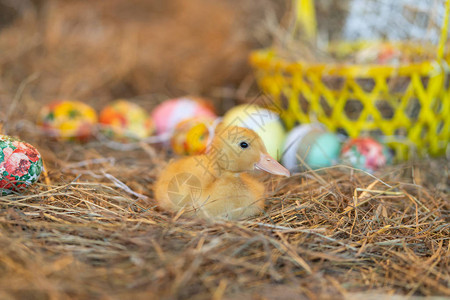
(238, 149)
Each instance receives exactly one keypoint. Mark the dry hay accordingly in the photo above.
(100, 50)
(90, 228)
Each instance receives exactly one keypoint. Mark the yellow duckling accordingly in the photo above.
(216, 184)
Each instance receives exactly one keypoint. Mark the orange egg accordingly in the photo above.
(125, 120)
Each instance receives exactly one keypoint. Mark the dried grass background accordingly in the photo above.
(91, 229)
(100, 50)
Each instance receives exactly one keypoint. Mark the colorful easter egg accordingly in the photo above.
(171, 112)
(20, 165)
(192, 136)
(365, 153)
(68, 120)
(264, 122)
(313, 144)
(125, 121)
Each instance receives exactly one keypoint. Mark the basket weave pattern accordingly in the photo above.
(407, 105)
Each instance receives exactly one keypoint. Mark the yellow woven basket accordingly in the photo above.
(408, 105)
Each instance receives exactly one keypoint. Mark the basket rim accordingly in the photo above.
(267, 58)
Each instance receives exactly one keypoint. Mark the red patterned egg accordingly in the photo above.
(365, 153)
(20, 165)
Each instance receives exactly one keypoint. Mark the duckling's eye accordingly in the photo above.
(243, 145)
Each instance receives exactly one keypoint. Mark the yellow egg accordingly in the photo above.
(264, 122)
(191, 136)
(68, 120)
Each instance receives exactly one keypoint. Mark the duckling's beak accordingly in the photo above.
(269, 164)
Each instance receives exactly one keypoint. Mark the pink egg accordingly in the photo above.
(171, 112)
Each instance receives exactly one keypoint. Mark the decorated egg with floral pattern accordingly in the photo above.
(125, 120)
(365, 153)
(68, 120)
(20, 165)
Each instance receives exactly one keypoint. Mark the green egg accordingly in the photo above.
(324, 151)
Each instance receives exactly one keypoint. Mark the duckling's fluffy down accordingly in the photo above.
(216, 184)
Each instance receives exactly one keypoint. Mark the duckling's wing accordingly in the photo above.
(233, 196)
(181, 184)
